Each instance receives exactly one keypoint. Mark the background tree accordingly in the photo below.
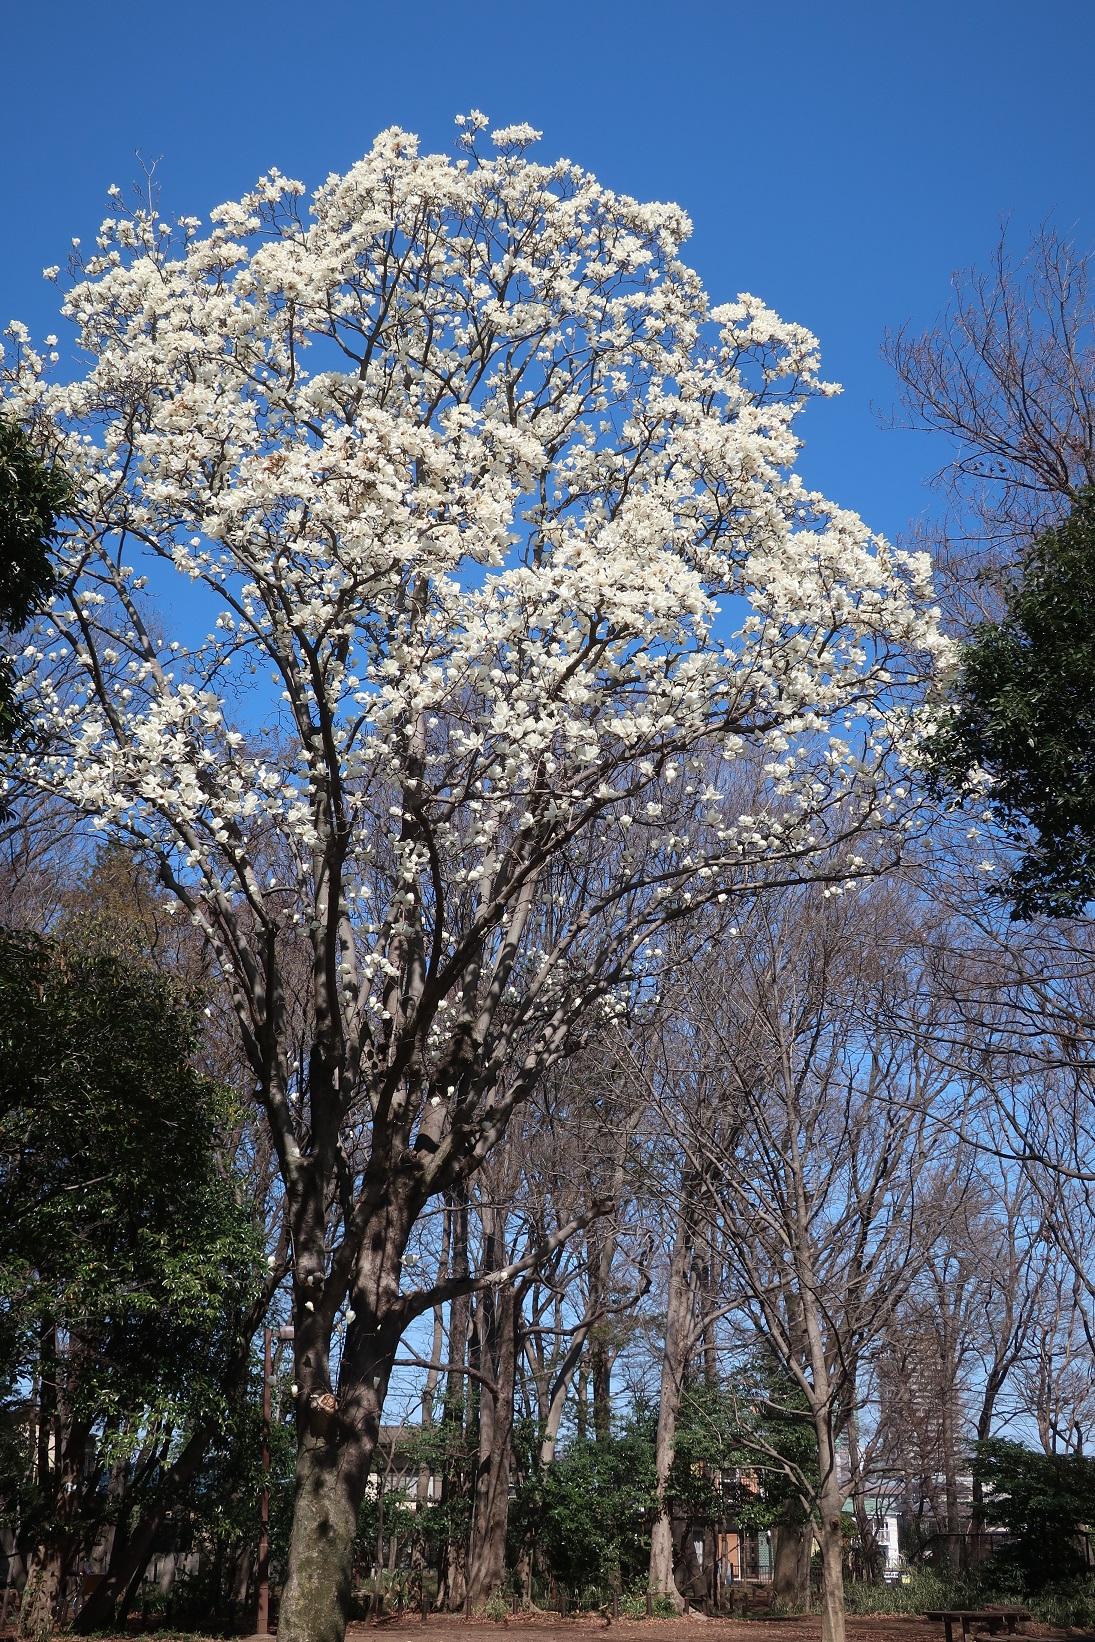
(1022, 710)
(808, 1120)
(127, 1262)
(1007, 376)
(1045, 1501)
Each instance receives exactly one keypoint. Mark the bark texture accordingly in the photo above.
(674, 1361)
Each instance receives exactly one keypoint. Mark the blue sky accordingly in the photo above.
(838, 157)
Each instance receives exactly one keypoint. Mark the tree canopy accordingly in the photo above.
(1023, 712)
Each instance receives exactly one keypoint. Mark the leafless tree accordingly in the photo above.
(1007, 374)
(809, 1124)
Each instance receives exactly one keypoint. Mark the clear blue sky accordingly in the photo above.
(838, 157)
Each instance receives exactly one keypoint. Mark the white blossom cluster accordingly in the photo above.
(494, 527)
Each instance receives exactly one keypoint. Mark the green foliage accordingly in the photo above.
(125, 1254)
(496, 1607)
(395, 1506)
(922, 1588)
(1025, 712)
(1061, 1603)
(589, 1511)
(447, 1450)
(1066, 1602)
(32, 494)
(727, 1437)
(633, 1604)
(217, 1513)
(1043, 1501)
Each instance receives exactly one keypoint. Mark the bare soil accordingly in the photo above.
(542, 1628)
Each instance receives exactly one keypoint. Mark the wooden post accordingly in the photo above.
(262, 1616)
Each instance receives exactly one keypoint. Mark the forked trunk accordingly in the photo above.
(108, 1604)
(337, 1436)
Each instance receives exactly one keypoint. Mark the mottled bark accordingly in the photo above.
(54, 1557)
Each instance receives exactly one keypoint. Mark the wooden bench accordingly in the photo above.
(983, 1621)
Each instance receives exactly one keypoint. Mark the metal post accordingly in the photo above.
(262, 1616)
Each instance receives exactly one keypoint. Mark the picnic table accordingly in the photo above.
(991, 1620)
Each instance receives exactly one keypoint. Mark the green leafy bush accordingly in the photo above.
(920, 1589)
(633, 1604)
(1043, 1501)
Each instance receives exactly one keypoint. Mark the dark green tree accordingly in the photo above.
(588, 1513)
(1046, 1502)
(126, 1259)
(32, 496)
(1023, 709)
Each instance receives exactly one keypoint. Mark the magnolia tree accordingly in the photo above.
(486, 520)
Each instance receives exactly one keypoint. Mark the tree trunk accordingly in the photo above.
(337, 1435)
(453, 1586)
(870, 1553)
(601, 1242)
(55, 1557)
(831, 1540)
(38, 1610)
(497, 1315)
(600, 1367)
(791, 1566)
(950, 1474)
(330, 1479)
(677, 1322)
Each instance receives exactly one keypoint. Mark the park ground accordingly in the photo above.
(538, 1628)
(860, 1628)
